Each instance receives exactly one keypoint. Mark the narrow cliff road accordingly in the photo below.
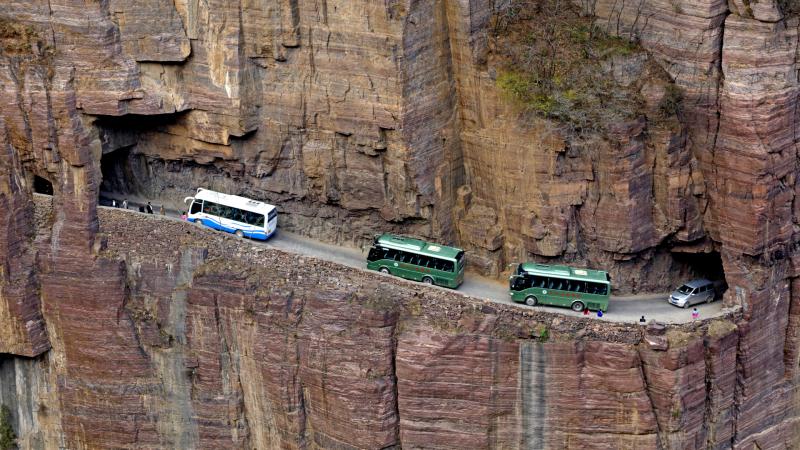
(621, 309)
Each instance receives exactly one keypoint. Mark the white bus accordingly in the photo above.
(231, 213)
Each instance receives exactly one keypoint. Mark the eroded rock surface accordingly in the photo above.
(357, 117)
(170, 344)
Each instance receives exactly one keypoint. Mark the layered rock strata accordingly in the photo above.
(169, 343)
(360, 117)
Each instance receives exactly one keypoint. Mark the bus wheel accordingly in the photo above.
(239, 233)
(578, 306)
(531, 300)
(384, 270)
(427, 280)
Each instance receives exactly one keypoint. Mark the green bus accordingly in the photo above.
(541, 284)
(417, 260)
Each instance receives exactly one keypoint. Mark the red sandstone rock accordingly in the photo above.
(366, 116)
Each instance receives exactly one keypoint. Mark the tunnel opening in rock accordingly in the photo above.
(139, 178)
(706, 265)
(128, 169)
(42, 185)
(119, 180)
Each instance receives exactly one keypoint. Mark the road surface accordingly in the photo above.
(620, 309)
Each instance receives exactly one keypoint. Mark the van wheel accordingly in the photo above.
(427, 280)
(383, 270)
(531, 300)
(578, 306)
(711, 298)
(239, 233)
(686, 305)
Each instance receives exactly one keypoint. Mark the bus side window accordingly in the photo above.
(598, 288)
(423, 261)
(237, 214)
(212, 208)
(580, 286)
(197, 206)
(228, 212)
(527, 281)
(572, 285)
(448, 266)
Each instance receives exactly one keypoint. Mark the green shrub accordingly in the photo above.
(670, 104)
(544, 335)
(617, 45)
(514, 85)
(8, 439)
(552, 65)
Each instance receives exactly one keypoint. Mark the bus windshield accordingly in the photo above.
(460, 258)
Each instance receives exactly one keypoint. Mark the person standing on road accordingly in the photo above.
(695, 314)
(125, 204)
(642, 321)
(585, 311)
(162, 211)
(149, 208)
(599, 313)
(113, 203)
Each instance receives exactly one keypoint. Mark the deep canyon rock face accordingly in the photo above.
(227, 344)
(356, 117)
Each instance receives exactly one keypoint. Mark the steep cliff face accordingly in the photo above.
(388, 117)
(169, 344)
(356, 117)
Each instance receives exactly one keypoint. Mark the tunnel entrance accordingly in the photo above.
(117, 177)
(703, 265)
(138, 178)
(42, 185)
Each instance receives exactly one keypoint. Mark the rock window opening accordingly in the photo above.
(42, 185)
